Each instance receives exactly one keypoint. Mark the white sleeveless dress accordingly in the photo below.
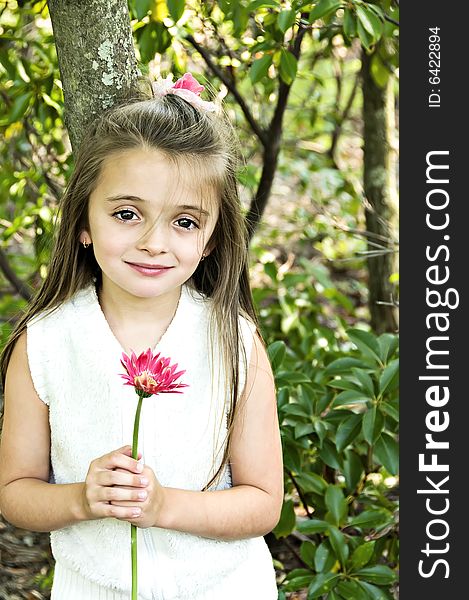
(74, 360)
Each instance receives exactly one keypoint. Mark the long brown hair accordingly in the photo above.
(183, 133)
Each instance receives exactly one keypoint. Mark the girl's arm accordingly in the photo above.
(252, 506)
(27, 500)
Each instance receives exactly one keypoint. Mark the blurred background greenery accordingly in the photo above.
(312, 89)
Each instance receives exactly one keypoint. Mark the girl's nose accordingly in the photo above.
(155, 240)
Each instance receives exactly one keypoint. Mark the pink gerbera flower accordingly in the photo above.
(151, 374)
(148, 374)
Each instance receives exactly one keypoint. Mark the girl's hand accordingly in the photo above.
(115, 486)
(150, 506)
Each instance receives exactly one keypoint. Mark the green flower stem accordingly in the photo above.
(136, 426)
(133, 528)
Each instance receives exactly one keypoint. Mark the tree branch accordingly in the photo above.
(272, 148)
(300, 494)
(387, 17)
(22, 289)
(260, 133)
(338, 128)
(391, 20)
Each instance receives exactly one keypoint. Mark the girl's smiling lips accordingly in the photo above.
(148, 269)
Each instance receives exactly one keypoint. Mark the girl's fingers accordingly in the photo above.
(119, 459)
(124, 495)
(125, 503)
(128, 451)
(123, 513)
(121, 478)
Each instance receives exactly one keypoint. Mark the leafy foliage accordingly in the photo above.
(339, 415)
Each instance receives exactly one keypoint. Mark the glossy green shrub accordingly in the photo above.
(339, 422)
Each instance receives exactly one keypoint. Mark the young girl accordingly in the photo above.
(150, 252)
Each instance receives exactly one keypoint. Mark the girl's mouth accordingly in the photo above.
(151, 270)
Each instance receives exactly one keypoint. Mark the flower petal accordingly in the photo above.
(188, 82)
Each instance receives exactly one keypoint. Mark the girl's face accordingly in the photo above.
(149, 224)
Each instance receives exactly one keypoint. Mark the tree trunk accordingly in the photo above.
(96, 58)
(381, 198)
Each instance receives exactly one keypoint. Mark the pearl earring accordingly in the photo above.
(85, 244)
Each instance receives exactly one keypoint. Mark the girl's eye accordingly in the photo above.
(124, 215)
(186, 223)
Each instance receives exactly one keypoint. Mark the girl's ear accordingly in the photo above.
(85, 237)
(208, 249)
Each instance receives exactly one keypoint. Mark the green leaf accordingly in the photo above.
(288, 66)
(276, 352)
(388, 375)
(323, 402)
(365, 38)
(312, 526)
(20, 105)
(297, 579)
(283, 397)
(240, 18)
(328, 454)
(142, 7)
(350, 397)
(370, 22)
(362, 555)
(292, 457)
(379, 574)
(343, 365)
(372, 424)
(295, 409)
(388, 344)
(154, 37)
(350, 24)
(336, 503)
(307, 552)
(377, 9)
(386, 451)
(259, 68)
(322, 583)
(343, 384)
(271, 270)
(324, 559)
(339, 545)
(370, 518)
(347, 431)
(351, 589)
(303, 429)
(311, 482)
(176, 9)
(322, 9)
(287, 520)
(375, 593)
(262, 4)
(352, 469)
(291, 378)
(365, 381)
(389, 409)
(366, 342)
(285, 19)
